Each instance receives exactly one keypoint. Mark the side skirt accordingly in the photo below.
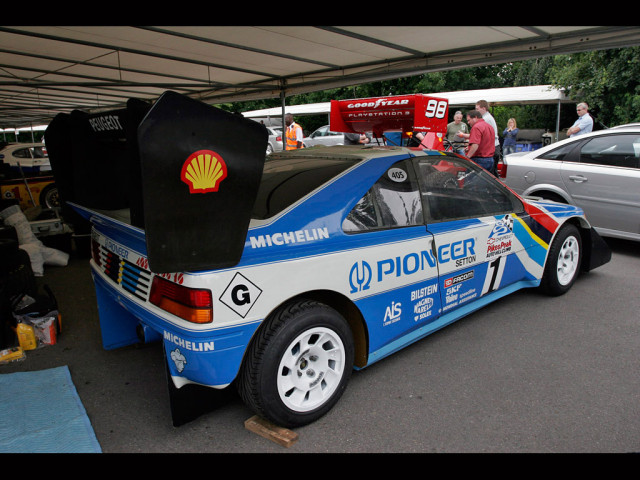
(447, 319)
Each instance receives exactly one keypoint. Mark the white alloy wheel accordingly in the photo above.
(298, 365)
(311, 369)
(563, 261)
(568, 260)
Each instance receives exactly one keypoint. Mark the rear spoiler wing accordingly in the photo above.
(407, 114)
(188, 172)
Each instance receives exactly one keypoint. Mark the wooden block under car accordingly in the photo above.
(268, 430)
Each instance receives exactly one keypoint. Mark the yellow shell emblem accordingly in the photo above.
(203, 171)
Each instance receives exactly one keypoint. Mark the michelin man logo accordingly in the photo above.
(178, 359)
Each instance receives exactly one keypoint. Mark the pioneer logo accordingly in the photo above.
(360, 276)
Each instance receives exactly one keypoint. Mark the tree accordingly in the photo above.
(608, 80)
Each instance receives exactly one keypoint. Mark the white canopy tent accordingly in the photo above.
(531, 95)
(539, 94)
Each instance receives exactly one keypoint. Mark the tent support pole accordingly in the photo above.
(558, 122)
(284, 125)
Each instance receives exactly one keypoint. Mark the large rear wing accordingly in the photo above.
(406, 114)
(188, 173)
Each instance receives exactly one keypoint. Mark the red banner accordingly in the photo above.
(402, 113)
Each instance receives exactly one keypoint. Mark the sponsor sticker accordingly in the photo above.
(240, 295)
(203, 171)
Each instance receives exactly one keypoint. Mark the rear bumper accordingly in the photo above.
(207, 357)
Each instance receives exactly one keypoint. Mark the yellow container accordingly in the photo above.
(12, 354)
(26, 336)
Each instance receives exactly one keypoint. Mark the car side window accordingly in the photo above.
(455, 189)
(321, 132)
(22, 153)
(39, 152)
(612, 150)
(559, 153)
(393, 201)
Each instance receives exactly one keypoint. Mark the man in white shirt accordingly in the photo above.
(584, 123)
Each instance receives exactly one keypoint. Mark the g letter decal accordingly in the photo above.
(240, 295)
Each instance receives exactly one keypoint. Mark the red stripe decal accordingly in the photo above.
(541, 217)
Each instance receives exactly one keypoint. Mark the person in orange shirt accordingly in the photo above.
(293, 134)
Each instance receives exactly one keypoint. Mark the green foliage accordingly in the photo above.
(608, 80)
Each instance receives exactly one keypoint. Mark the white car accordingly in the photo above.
(26, 175)
(280, 277)
(323, 136)
(598, 171)
(30, 157)
(275, 140)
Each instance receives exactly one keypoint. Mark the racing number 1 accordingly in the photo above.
(495, 269)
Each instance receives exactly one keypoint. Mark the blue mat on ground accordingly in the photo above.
(40, 412)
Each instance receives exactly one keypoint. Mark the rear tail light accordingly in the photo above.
(192, 304)
(502, 169)
(95, 252)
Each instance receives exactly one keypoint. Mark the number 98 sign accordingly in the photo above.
(436, 108)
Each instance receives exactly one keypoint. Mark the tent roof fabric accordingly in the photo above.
(50, 69)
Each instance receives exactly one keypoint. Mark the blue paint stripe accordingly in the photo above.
(445, 320)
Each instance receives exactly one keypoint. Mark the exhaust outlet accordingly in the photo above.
(147, 334)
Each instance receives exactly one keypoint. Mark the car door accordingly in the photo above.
(317, 137)
(603, 178)
(324, 136)
(392, 274)
(23, 158)
(475, 223)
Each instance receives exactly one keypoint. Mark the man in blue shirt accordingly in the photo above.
(584, 123)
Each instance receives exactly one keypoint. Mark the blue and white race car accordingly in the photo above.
(281, 277)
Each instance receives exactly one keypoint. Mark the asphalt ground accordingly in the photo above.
(528, 374)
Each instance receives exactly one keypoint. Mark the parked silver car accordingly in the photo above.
(275, 140)
(323, 136)
(598, 171)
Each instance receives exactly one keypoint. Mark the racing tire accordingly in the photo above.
(299, 364)
(563, 261)
(49, 197)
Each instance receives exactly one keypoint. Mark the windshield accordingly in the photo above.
(285, 181)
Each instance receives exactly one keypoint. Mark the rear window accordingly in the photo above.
(285, 181)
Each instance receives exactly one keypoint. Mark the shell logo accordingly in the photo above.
(203, 171)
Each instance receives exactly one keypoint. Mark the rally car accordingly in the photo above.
(25, 175)
(281, 277)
